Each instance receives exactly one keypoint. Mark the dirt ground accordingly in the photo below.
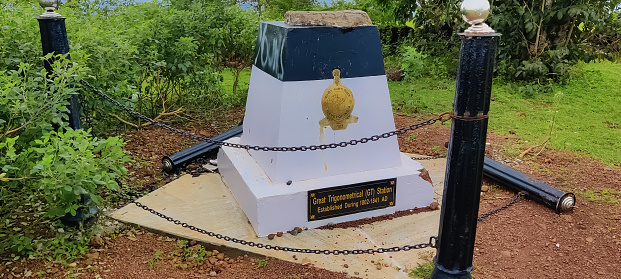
(526, 240)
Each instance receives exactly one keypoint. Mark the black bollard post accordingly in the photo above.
(464, 169)
(54, 40)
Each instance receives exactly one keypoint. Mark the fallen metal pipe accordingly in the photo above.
(533, 189)
(200, 150)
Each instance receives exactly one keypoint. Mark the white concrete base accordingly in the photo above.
(273, 207)
(280, 113)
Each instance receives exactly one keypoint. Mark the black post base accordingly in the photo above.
(437, 273)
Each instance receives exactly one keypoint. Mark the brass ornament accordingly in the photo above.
(337, 103)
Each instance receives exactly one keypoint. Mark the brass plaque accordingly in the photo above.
(337, 103)
(350, 199)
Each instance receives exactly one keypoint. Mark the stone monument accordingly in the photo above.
(318, 79)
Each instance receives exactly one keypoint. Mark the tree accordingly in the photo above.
(540, 38)
(276, 9)
(549, 35)
(238, 31)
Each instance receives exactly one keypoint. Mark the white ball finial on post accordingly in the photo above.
(475, 12)
(50, 8)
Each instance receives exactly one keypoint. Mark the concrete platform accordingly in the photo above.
(205, 202)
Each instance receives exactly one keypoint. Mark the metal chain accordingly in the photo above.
(509, 204)
(85, 111)
(201, 169)
(432, 240)
(442, 118)
(428, 158)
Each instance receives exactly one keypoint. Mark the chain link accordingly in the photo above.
(509, 204)
(428, 158)
(442, 118)
(432, 240)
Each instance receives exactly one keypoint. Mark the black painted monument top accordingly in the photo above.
(297, 53)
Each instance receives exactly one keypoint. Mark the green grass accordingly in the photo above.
(228, 78)
(261, 263)
(423, 95)
(602, 196)
(585, 112)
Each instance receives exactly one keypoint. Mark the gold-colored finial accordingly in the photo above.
(475, 12)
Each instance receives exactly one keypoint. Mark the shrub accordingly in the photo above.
(69, 164)
(45, 166)
(416, 64)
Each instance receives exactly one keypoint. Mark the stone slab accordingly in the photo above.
(205, 202)
(348, 18)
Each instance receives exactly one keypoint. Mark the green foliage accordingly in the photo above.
(30, 97)
(540, 39)
(592, 92)
(379, 15)
(61, 167)
(72, 163)
(64, 248)
(271, 10)
(435, 23)
(144, 55)
(151, 56)
(23, 244)
(412, 137)
(47, 171)
(237, 31)
(431, 27)
(19, 36)
(199, 254)
(422, 95)
(413, 64)
(416, 64)
(262, 263)
(189, 256)
(155, 259)
(422, 270)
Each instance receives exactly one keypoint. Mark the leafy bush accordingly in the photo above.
(423, 270)
(19, 35)
(72, 163)
(413, 63)
(416, 64)
(31, 99)
(151, 56)
(46, 166)
(535, 34)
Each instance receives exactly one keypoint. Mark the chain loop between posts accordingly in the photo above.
(433, 241)
(440, 118)
(288, 249)
(510, 203)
